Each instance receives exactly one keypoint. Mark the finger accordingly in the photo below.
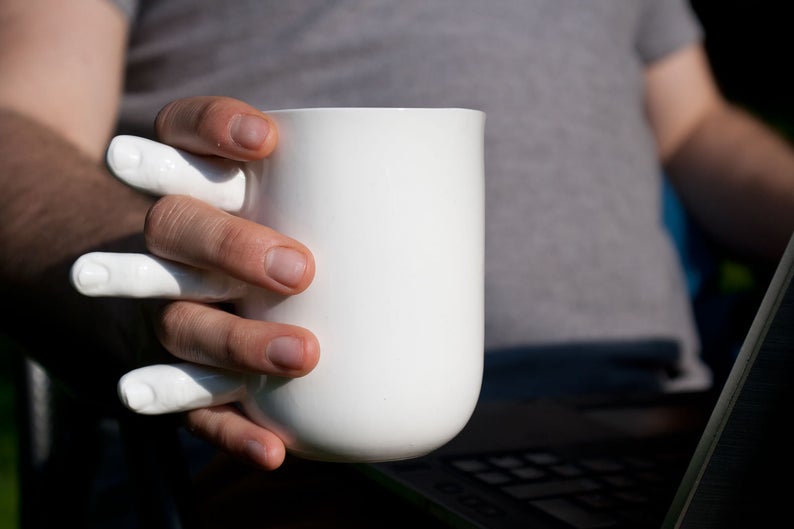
(190, 231)
(171, 388)
(226, 427)
(219, 126)
(160, 169)
(205, 335)
(134, 275)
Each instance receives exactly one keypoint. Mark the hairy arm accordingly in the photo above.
(58, 97)
(60, 77)
(59, 91)
(734, 174)
(57, 201)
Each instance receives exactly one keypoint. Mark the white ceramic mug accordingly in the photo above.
(390, 202)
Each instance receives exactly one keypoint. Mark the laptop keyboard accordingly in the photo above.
(632, 488)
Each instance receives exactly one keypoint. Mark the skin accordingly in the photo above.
(59, 202)
(734, 174)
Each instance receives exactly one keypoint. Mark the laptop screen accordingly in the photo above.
(738, 476)
(531, 462)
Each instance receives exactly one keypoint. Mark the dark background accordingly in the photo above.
(750, 47)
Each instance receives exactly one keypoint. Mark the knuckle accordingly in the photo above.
(182, 228)
(202, 334)
(164, 119)
(164, 221)
(208, 116)
(176, 331)
(234, 241)
(235, 245)
(204, 117)
(203, 423)
(238, 342)
(171, 325)
(211, 424)
(180, 115)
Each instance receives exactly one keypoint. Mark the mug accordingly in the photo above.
(390, 202)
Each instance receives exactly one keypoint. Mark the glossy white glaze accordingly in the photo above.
(169, 388)
(390, 202)
(163, 170)
(136, 275)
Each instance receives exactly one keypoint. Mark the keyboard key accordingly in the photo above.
(493, 478)
(574, 515)
(526, 491)
(529, 473)
(506, 461)
(593, 492)
(470, 465)
(620, 481)
(542, 458)
(601, 464)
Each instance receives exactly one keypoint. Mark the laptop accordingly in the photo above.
(718, 459)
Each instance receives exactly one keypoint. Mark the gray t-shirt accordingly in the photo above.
(575, 243)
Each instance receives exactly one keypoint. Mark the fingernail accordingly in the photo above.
(249, 131)
(123, 155)
(286, 352)
(255, 451)
(285, 265)
(89, 275)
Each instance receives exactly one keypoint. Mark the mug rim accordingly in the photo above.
(366, 109)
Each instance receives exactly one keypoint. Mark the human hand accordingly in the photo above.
(216, 255)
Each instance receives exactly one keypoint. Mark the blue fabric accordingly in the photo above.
(697, 261)
(579, 368)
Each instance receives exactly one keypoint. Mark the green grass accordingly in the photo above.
(9, 493)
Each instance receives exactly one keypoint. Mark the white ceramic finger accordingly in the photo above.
(171, 388)
(137, 275)
(160, 169)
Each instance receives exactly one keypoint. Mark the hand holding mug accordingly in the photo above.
(195, 235)
(390, 201)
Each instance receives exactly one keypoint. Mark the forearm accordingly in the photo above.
(56, 201)
(736, 177)
(56, 204)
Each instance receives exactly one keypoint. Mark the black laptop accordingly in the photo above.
(701, 460)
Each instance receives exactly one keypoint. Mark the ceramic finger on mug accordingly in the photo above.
(397, 302)
(136, 275)
(171, 388)
(160, 169)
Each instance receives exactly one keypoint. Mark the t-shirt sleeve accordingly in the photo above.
(128, 7)
(666, 26)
